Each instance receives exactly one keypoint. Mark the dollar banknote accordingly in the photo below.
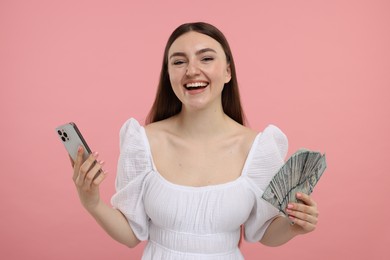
(300, 173)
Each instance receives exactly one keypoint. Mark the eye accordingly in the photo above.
(207, 59)
(178, 62)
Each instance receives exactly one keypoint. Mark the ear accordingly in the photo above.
(228, 75)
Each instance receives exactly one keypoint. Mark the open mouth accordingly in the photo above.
(196, 85)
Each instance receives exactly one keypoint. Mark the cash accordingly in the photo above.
(300, 173)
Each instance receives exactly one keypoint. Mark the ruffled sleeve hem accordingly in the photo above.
(134, 166)
(267, 158)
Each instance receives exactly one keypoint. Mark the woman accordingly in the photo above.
(190, 179)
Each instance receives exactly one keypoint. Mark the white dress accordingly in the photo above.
(188, 223)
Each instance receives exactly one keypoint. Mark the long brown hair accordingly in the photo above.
(166, 104)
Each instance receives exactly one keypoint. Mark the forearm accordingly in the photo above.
(114, 223)
(87, 176)
(278, 232)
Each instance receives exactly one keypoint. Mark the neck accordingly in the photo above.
(205, 124)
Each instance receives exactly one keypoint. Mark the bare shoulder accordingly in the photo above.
(242, 131)
(245, 136)
(159, 126)
(158, 131)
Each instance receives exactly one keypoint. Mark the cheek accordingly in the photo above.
(219, 73)
(175, 82)
(174, 76)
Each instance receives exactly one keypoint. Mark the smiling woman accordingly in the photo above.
(166, 103)
(197, 65)
(190, 182)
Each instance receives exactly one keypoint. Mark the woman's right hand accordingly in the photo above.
(87, 177)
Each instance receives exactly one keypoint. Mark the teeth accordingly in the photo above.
(196, 85)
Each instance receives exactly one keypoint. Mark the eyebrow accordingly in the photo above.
(196, 53)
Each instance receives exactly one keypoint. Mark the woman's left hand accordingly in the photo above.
(304, 215)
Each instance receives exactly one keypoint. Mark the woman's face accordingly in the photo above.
(197, 70)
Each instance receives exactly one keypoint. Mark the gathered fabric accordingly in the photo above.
(191, 223)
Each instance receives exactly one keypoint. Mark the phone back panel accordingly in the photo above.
(71, 137)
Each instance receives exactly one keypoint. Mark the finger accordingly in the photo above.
(85, 167)
(306, 199)
(313, 219)
(299, 207)
(305, 225)
(303, 211)
(99, 178)
(93, 173)
(77, 163)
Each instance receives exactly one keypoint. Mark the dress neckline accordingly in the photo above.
(206, 187)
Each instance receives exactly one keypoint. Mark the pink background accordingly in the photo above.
(317, 69)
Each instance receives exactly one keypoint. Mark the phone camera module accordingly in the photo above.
(63, 135)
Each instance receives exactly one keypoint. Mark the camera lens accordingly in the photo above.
(59, 132)
(65, 134)
(63, 138)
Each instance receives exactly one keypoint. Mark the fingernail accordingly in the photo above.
(79, 149)
(290, 206)
(95, 154)
(102, 162)
(299, 195)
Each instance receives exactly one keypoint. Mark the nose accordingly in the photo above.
(192, 69)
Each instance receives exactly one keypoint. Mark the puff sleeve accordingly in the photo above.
(268, 156)
(134, 166)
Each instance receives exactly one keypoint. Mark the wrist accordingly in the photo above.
(93, 208)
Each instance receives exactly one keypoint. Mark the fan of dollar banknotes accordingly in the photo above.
(300, 173)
